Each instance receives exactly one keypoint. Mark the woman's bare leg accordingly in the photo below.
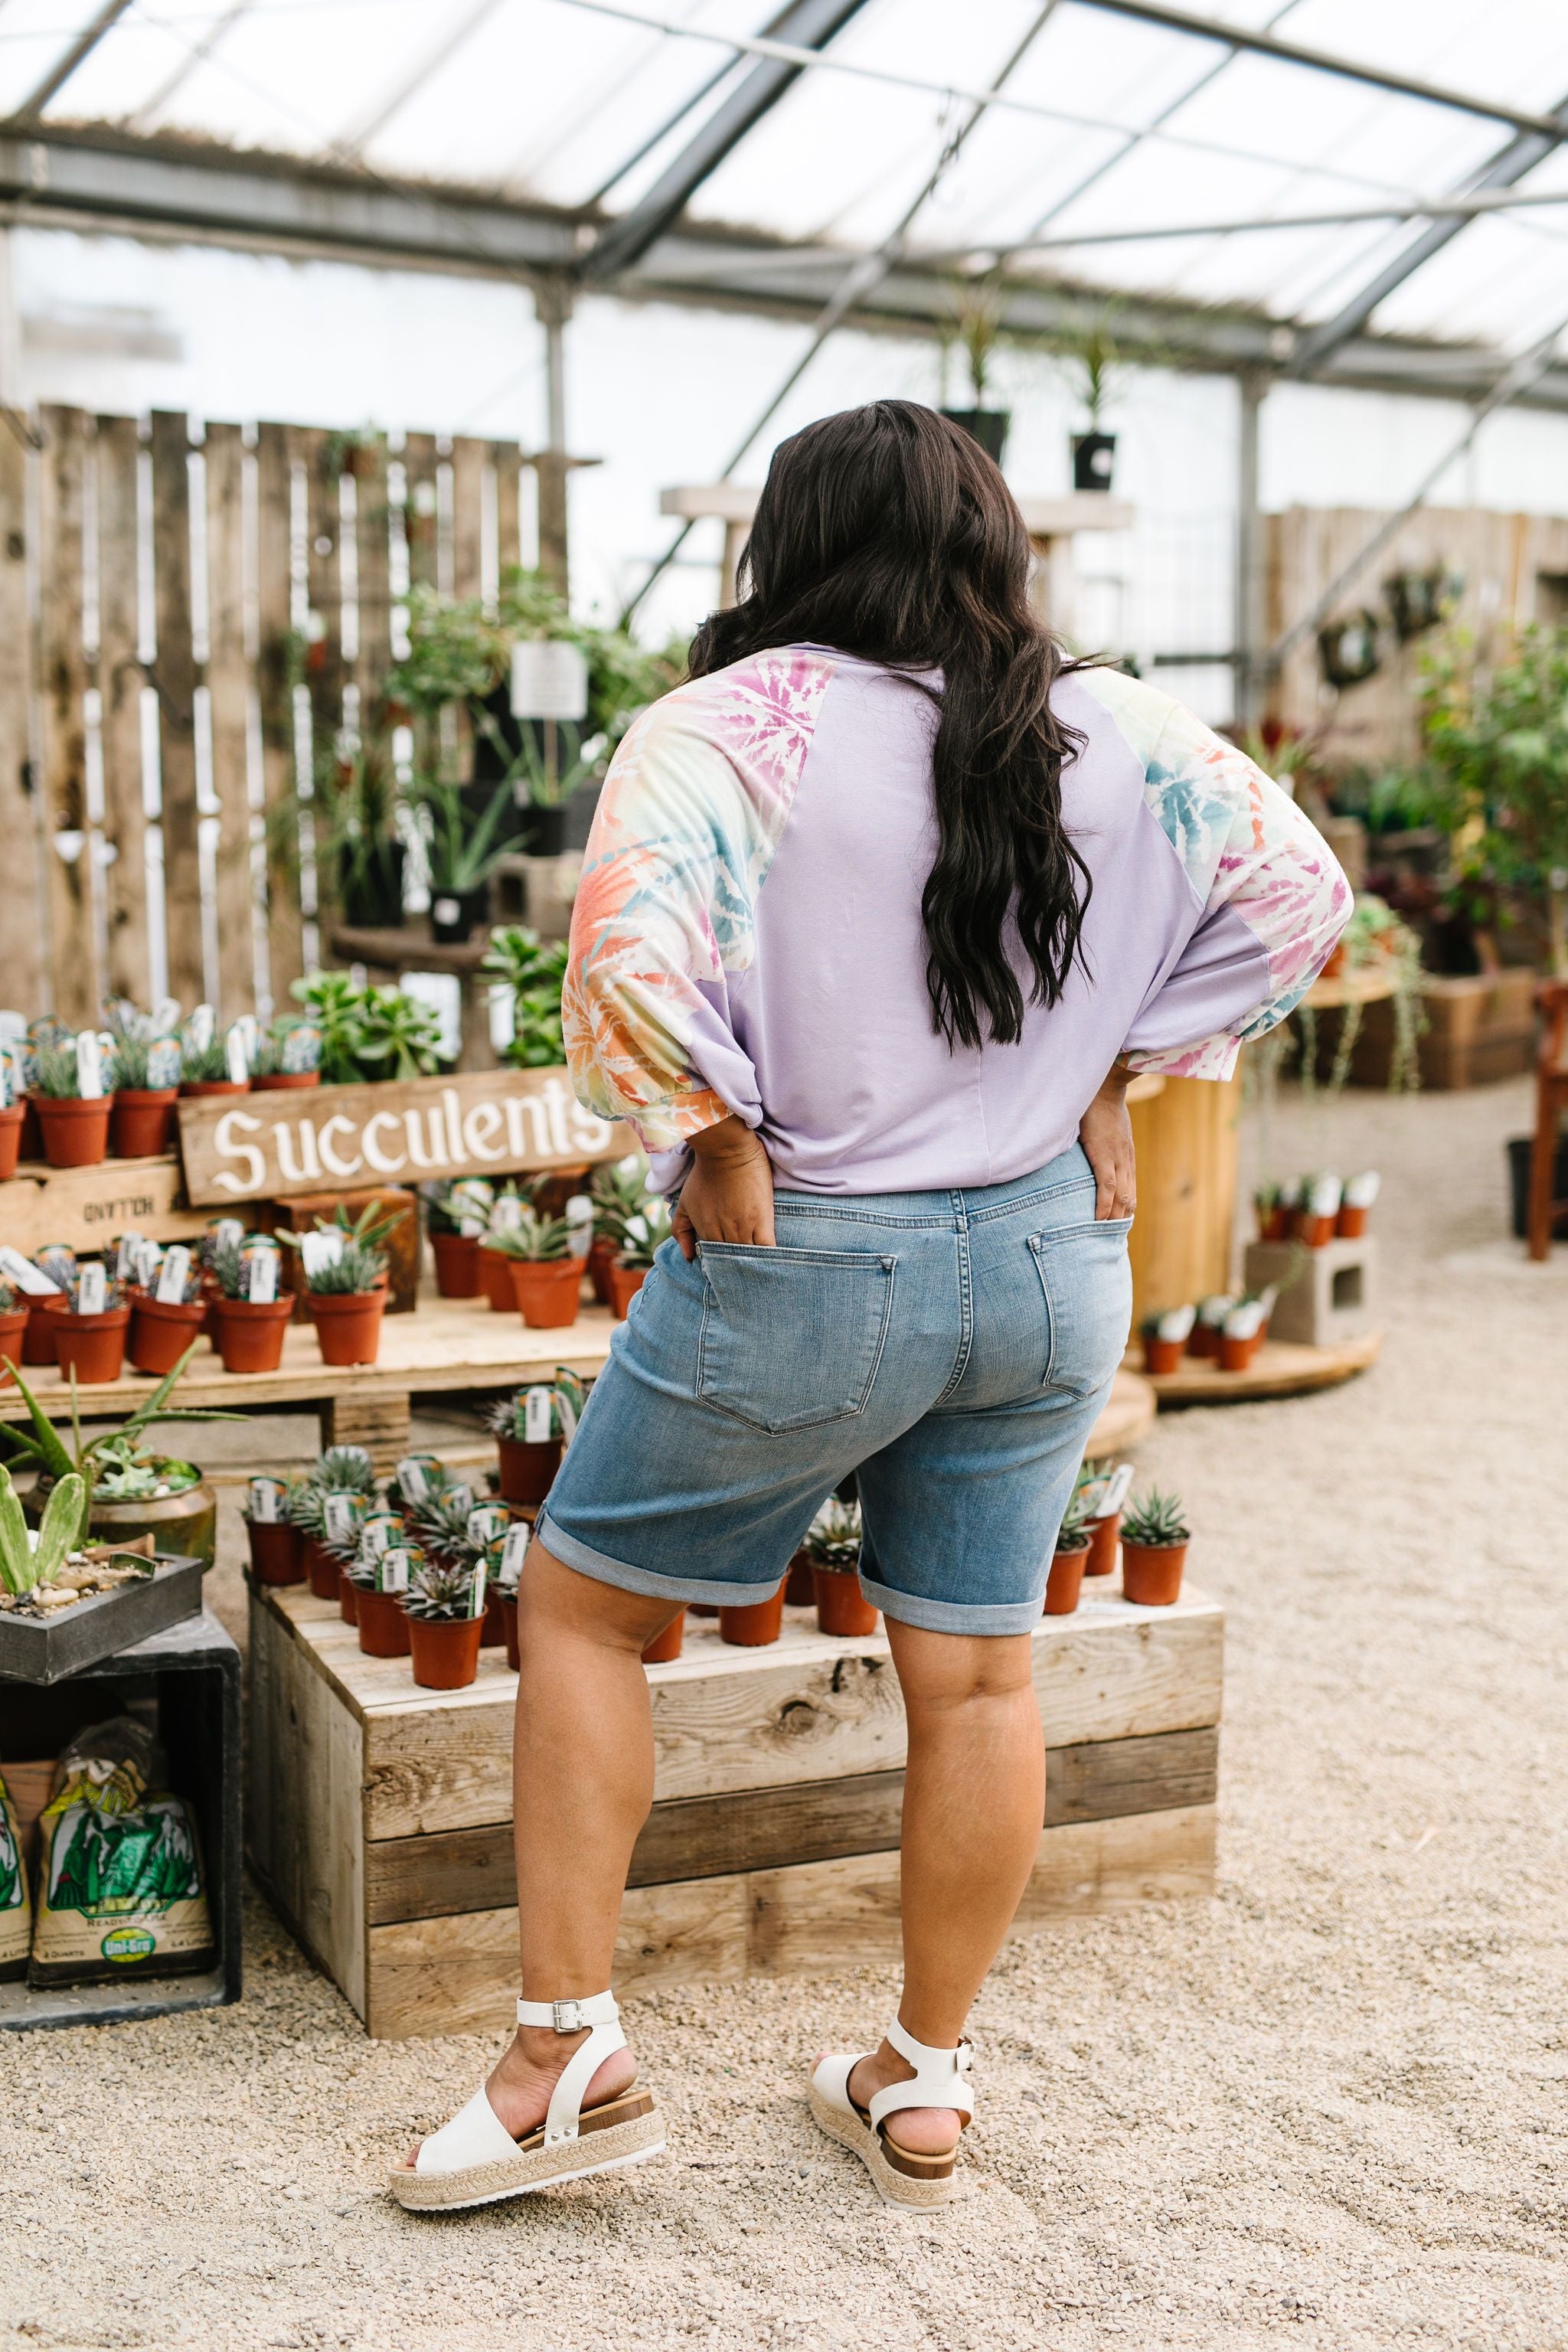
(582, 1785)
(974, 1797)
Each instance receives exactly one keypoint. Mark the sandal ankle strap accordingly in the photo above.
(941, 2077)
(601, 2013)
(570, 2016)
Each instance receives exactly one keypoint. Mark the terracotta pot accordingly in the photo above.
(665, 1647)
(383, 1623)
(508, 1604)
(74, 1134)
(546, 1291)
(1152, 1573)
(38, 1339)
(457, 1259)
(1203, 1340)
(1104, 1536)
(161, 1329)
(841, 1607)
(142, 1121)
(348, 1599)
(799, 1591)
(193, 1087)
(275, 1556)
(276, 1082)
(32, 1144)
(601, 1258)
(1163, 1355)
(755, 1624)
(1351, 1224)
(1338, 962)
(13, 1328)
(1066, 1582)
(92, 1346)
(1273, 1224)
(700, 1609)
(493, 1622)
(625, 1282)
(526, 1471)
(446, 1651)
(1315, 1231)
(495, 1279)
(348, 1323)
(321, 1566)
(249, 1333)
(1236, 1355)
(10, 1139)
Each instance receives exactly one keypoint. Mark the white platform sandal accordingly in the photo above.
(474, 2159)
(904, 2176)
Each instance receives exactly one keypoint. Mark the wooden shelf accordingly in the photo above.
(1370, 984)
(1281, 1368)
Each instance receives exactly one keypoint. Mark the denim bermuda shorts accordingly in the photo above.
(953, 1348)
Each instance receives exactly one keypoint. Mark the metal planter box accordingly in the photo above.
(42, 1650)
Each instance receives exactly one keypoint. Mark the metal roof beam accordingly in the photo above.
(811, 24)
(1509, 166)
(60, 72)
(1456, 209)
(1293, 53)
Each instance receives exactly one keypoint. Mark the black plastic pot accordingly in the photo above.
(493, 719)
(542, 831)
(1093, 460)
(371, 898)
(455, 913)
(986, 425)
(1519, 1151)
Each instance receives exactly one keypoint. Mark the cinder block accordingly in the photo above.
(1325, 1295)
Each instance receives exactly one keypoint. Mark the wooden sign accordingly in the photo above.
(85, 1207)
(268, 1146)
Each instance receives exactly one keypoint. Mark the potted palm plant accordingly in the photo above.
(532, 1430)
(445, 1609)
(977, 305)
(545, 1270)
(641, 1237)
(463, 850)
(1154, 1538)
(73, 1109)
(1093, 364)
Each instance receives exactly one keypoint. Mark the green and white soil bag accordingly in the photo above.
(119, 1887)
(16, 1910)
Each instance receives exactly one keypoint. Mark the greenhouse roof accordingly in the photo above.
(1372, 194)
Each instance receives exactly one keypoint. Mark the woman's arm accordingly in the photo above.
(729, 1195)
(1105, 1132)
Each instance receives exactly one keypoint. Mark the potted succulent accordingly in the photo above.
(333, 1005)
(495, 1265)
(1099, 1493)
(1243, 1333)
(144, 1073)
(532, 971)
(546, 1272)
(208, 1062)
(343, 1471)
(47, 1572)
(833, 1547)
(399, 1037)
(39, 1335)
(68, 1096)
(1356, 1205)
(641, 1237)
(1154, 1538)
(1208, 1322)
(169, 1314)
(288, 1056)
(249, 1316)
(1319, 1213)
(532, 1429)
(457, 1217)
(446, 1607)
(437, 1511)
(503, 1564)
(618, 1191)
(13, 1115)
(1069, 1562)
(13, 1324)
(379, 1579)
(753, 1624)
(1273, 1216)
(1165, 1336)
(276, 1554)
(345, 1286)
(89, 1337)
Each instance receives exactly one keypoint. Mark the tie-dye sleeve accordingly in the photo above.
(692, 809)
(1272, 897)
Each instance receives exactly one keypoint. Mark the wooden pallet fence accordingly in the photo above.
(190, 618)
(381, 1814)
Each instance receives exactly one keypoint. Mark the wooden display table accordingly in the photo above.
(380, 1813)
(1280, 1369)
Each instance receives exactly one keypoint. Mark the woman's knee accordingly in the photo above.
(554, 1598)
(948, 1670)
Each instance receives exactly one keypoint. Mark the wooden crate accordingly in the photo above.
(379, 1814)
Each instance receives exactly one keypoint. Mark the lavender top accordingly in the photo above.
(747, 933)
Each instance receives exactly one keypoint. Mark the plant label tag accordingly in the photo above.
(25, 1274)
(265, 1494)
(262, 1273)
(147, 1261)
(200, 1027)
(471, 1228)
(412, 1478)
(235, 1057)
(518, 1538)
(318, 1251)
(549, 680)
(579, 1215)
(342, 1516)
(1115, 1492)
(172, 1274)
(391, 1569)
(380, 1530)
(486, 1521)
(91, 1290)
(506, 1217)
(89, 1065)
(460, 1495)
(536, 1416)
(476, 1591)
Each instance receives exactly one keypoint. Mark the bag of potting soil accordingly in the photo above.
(120, 1882)
(16, 1909)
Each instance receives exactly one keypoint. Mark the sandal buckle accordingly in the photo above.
(569, 2018)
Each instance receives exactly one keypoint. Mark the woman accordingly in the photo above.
(880, 913)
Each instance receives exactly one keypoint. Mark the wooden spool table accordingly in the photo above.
(1280, 1368)
(379, 1814)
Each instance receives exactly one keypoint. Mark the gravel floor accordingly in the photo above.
(1326, 2109)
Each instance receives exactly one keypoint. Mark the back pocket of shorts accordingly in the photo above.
(791, 1337)
(1087, 1281)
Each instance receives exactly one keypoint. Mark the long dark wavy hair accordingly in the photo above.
(886, 531)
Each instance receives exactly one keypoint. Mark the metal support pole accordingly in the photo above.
(1251, 678)
(553, 302)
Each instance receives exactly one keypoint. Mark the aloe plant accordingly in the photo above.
(24, 1564)
(45, 1449)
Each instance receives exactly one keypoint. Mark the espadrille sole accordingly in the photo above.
(606, 2147)
(897, 2188)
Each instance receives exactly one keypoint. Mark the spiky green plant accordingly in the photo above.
(200, 1064)
(833, 1539)
(619, 1190)
(1156, 1519)
(441, 1520)
(353, 1273)
(442, 1589)
(509, 1417)
(1075, 1533)
(46, 1450)
(55, 1072)
(537, 1240)
(644, 1233)
(25, 1565)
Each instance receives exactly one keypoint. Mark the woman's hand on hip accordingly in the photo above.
(729, 1195)
(1105, 1131)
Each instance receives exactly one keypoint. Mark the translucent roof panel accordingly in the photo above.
(1106, 124)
